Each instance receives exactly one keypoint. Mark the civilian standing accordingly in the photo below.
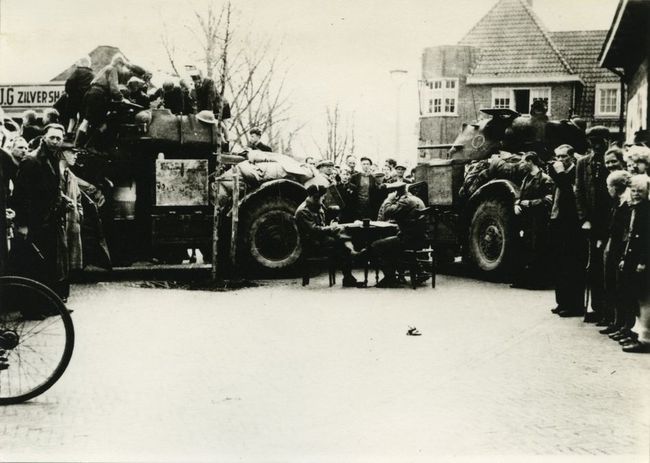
(593, 203)
(568, 247)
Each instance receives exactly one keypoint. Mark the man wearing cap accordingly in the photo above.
(593, 205)
(207, 95)
(400, 170)
(40, 208)
(404, 209)
(255, 141)
(326, 168)
(315, 235)
(367, 191)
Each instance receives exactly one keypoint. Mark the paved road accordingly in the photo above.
(283, 373)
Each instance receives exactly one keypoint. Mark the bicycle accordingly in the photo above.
(36, 339)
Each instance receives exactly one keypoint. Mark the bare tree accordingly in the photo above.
(339, 140)
(253, 77)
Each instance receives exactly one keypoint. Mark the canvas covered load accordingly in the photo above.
(500, 166)
(262, 167)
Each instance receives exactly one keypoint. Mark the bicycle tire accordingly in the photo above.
(58, 308)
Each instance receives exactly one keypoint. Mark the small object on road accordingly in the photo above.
(413, 331)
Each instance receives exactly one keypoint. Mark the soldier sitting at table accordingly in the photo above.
(316, 235)
(404, 209)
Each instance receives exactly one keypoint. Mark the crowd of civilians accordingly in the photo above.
(599, 231)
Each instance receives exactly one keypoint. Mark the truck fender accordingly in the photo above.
(285, 187)
(500, 188)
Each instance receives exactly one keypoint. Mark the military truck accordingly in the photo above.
(153, 169)
(473, 183)
(160, 176)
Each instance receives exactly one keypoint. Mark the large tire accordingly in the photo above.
(491, 238)
(270, 244)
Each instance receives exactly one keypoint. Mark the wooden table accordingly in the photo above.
(364, 234)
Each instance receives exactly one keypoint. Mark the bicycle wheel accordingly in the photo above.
(36, 339)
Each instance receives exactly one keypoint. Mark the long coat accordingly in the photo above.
(72, 225)
(592, 200)
(39, 206)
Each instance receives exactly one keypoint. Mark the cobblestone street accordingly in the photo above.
(282, 373)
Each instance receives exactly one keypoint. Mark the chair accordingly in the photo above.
(310, 259)
(419, 263)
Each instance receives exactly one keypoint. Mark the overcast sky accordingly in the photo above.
(336, 50)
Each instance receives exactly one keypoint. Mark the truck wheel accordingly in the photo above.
(490, 237)
(269, 237)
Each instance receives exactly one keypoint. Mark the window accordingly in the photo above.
(439, 97)
(501, 98)
(608, 99)
(520, 99)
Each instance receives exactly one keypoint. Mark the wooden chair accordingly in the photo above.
(419, 263)
(310, 259)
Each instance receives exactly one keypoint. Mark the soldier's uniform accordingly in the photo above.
(406, 210)
(318, 238)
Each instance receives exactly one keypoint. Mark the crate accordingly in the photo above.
(444, 178)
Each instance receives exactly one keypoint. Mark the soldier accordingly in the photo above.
(406, 210)
(310, 219)
(593, 203)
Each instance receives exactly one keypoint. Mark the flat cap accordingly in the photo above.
(598, 131)
(325, 163)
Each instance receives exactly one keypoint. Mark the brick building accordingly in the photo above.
(627, 50)
(508, 60)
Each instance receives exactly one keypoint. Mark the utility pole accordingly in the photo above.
(398, 76)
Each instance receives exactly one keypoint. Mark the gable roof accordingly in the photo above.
(581, 50)
(515, 46)
(100, 57)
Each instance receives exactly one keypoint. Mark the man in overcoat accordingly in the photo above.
(40, 209)
(593, 204)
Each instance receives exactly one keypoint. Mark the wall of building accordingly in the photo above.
(637, 101)
(449, 61)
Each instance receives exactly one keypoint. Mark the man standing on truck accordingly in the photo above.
(593, 203)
